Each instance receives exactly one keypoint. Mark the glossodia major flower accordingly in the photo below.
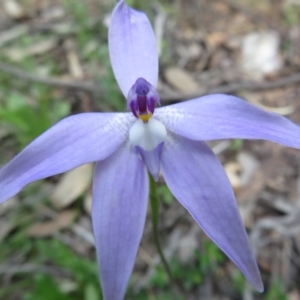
(127, 145)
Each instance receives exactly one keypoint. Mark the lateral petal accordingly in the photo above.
(197, 179)
(72, 142)
(120, 194)
(220, 116)
(132, 47)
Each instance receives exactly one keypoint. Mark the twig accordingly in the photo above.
(87, 86)
(287, 226)
(12, 34)
(76, 228)
(232, 88)
(32, 268)
(220, 147)
(83, 233)
(90, 86)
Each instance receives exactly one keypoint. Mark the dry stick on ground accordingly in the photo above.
(90, 86)
(32, 268)
(231, 88)
(79, 230)
(87, 86)
(13, 33)
(286, 226)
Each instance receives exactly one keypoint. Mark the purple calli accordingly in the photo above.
(126, 145)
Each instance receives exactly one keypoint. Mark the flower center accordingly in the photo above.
(142, 98)
(146, 132)
(147, 135)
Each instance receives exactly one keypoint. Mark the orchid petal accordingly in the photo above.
(225, 117)
(197, 179)
(152, 159)
(120, 193)
(72, 142)
(132, 47)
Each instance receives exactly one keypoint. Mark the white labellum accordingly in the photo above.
(147, 135)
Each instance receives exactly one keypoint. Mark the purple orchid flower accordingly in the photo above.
(126, 145)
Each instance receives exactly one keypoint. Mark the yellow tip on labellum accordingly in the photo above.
(145, 118)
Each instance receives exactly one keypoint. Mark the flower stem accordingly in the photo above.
(154, 201)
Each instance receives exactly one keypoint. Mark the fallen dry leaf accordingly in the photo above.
(188, 52)
(9, 204)
(247, 198)
(232, 170)
(65, 218)
(216, 39)
(75, 67)
(187, 244)
(5, 228)
(18, 54)
(181, 80)
(44, 229)
(88, 203)
(247, 183)
(293, 295)
(13, 9)
(248, 165)
(12, 33)
(71, 186)
(284, 110)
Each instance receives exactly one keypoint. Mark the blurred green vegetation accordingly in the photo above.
(27, 110)
(291, 14)
(25, 120)
(81, 274)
